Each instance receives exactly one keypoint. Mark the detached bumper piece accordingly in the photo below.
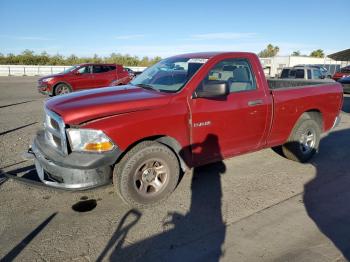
(77, 171)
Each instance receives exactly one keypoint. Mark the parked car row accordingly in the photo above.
(85, 76)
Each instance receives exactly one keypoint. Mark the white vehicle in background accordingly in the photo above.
(302, 72)
(322, 68)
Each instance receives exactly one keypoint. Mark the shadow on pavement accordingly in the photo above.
(14, 104)
(17, 128)
(196, 235)
(3, 178)
(10, 256)
(17, 163)
(120, 234)
(327, 196)
(29, 173)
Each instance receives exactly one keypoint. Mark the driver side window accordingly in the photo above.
(236, 72)
(84, 70)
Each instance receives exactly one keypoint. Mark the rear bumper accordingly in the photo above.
(77, 171)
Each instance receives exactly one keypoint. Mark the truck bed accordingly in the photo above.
(295, 83)
(293, 97)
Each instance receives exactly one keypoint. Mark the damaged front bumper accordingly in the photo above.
(77, 170)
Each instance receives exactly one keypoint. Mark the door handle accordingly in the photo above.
(255, 102)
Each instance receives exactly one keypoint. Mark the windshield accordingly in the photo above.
(169, 75)
(70, 69)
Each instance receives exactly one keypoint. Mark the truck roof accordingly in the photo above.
(207, 55)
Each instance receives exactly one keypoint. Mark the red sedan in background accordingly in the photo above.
(343, 72)
(84, 76)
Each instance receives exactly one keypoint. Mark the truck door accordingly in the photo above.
(233, 124)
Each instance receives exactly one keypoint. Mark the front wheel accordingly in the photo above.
(62, 89)
(304, 140)
(147, 174)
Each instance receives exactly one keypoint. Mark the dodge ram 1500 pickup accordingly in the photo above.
(185, 111)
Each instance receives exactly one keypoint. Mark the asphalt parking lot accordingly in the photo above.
(255, 207)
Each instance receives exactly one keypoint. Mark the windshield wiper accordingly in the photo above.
(148, 87)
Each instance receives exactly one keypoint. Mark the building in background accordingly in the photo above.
(274, 65)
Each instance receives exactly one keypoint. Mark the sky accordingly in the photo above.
(165, 28)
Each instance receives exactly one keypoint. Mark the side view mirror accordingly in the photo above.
(77, 72)
(213, 88)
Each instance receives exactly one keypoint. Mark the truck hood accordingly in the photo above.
(83, 106)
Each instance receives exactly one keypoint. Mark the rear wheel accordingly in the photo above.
(62, 89)
(304, 140)
(147, 174)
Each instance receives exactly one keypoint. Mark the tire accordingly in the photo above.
(146, 175)
(62, 89)
(304, 140)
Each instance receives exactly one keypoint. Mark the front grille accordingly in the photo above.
(55, 131)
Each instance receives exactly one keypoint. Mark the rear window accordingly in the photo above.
(111, 68)
(102, 68)
(299, 73)
(285, 73)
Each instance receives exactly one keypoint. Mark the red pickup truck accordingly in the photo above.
(83, 76)
(185, 111)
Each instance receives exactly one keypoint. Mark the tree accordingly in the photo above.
(2, 59)
(296, 53)
(28, 57)
(57, 60)
(72, 60)
(317, 53)
(155, 60)
(269, 51)
(96, 59)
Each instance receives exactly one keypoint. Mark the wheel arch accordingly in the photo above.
(314, 114)
(168, 141)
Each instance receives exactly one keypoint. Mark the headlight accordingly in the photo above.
(47, 79)
(89, 140)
